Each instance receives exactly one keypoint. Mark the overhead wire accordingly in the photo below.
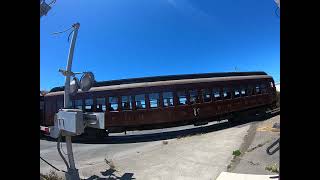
(62, 31)
(55, 33)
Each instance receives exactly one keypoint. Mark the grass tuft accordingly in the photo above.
(236, 153)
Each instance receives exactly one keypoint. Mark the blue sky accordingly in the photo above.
(136, 38)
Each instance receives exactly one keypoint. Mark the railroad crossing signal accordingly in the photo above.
(71, 122)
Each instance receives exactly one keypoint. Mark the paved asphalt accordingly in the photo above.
(207, 150)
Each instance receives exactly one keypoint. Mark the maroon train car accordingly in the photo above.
(164, 101)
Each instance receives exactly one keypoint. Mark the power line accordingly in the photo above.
(62, 31)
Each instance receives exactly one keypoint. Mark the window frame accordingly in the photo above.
(96, 104)
(245, 90)
(271, 84)
(227, 90)
(255, 89)
(203, 95)
(75, 103)
(185, 96)
(131, 102)
(219, 92)
(145, 101)
(263, 88)
(236, 89)
(162, 96)
(109, 104)
(85, 104)
(197, 96)
(158, 100)
(251, 88)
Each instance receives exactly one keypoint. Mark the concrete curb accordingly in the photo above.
(232, 176)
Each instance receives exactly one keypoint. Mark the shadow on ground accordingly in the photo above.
(109, 175)
(113, 139)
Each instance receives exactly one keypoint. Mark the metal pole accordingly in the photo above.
(69, 65)
(73, 173)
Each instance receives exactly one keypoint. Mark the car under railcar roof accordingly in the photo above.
(167, 78)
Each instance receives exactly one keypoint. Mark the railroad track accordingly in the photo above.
(274, 111)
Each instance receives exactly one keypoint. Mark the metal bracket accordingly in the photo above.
(65, 73)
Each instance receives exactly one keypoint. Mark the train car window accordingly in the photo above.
(88, 105)
(271, 84)
(243, 91)
(226, 93)
(154, 100)
(126, 102)
(206, 95)
(236, 93)
(258, 90)
(194, 96)
(59, 104)
(216, 94)
(182, 97)
(140, 101)
(78, 104)
(167, 99)
(263, 88)
(113, 104)
(101, 105)
(250, 90)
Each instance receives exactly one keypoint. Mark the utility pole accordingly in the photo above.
(72, 173)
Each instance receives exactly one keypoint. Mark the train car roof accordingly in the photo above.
(167, 78)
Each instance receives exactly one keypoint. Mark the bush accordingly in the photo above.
(236, 153)
(272, 168)
(51, 176)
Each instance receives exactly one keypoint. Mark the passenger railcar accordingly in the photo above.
(164, 101)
